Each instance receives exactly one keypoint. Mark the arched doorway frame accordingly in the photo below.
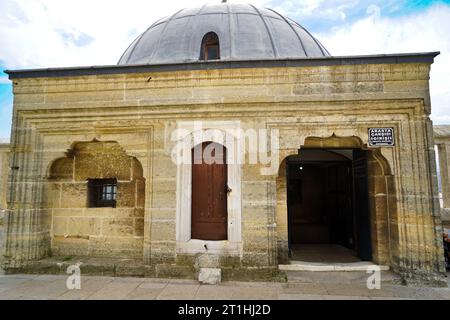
(382, 197)
(209, 192)
(227, 134)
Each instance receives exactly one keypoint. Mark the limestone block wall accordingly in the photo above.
(139, 110)
(78, 229)
(4, 171)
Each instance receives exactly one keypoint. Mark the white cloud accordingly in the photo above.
(55, 33)
(425, 31)
(319, 10)
(4, 80)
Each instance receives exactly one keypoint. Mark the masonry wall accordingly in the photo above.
(4, 171)
(139, 111)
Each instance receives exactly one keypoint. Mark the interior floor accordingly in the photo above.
(328, 253)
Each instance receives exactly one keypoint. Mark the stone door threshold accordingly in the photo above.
(333, 266)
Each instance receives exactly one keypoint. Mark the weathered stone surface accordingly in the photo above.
(101, 160)
(207, 260)
(62, 169)
(74, 195)
(210, 275)
(126, 194)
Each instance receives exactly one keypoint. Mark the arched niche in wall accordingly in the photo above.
(382, 200)
(97, 197)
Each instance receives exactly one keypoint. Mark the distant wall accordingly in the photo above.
(442, 141)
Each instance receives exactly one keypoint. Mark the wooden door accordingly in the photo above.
(305, 204)
(339, 203)
(361, 196)
(209, 192)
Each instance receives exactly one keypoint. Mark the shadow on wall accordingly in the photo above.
(96, 195)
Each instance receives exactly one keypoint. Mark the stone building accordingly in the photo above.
(313, 149)
(442, 141)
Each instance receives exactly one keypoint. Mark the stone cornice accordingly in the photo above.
(425, 57)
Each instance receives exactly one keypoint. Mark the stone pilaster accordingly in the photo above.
(27, 237)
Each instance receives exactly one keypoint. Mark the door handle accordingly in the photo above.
(228, 189)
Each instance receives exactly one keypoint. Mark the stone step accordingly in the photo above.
(329, 267)
(342, 277)
(349, 273)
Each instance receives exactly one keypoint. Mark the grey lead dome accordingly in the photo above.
(245, 33)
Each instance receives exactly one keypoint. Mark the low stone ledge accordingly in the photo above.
(172, 271)
(88, 266)
(136, 268)
(253, 274)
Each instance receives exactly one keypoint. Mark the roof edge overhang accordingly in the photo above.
(424, 57)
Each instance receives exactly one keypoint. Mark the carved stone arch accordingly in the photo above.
(61, 169)
(382, 198)
(191, 137)
(383, 208)
(350, 142)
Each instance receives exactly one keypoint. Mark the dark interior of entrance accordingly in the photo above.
(328, 202)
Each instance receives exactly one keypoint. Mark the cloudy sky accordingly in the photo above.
(56, 33)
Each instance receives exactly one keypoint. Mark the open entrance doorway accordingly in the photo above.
(328, 207)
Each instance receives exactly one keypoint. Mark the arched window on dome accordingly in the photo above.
(210, 49)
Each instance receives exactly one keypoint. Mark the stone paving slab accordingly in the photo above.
(297, 296)
(49, 291)
(144, 294)
(177, 291)
(39, 287)
(304, 288)
(255, 293)
(215, 293)
(89, 286)
(114, 290)
(352, 297)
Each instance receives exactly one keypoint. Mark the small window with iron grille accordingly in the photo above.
(102, 193)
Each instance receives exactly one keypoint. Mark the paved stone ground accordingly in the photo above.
(94, 287)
